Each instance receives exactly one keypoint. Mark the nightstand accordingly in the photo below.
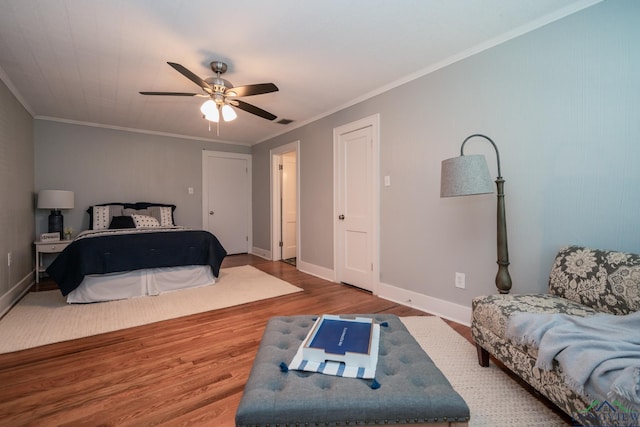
(47, 248)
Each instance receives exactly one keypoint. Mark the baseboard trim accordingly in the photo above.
(315, 270)
(445, 309)
(8, 300)
(442, 308)
(262, 253)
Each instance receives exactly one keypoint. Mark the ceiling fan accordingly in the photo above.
(221, 93)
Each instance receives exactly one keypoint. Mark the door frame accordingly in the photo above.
(276, 210)
(205, 189)
(374, 122)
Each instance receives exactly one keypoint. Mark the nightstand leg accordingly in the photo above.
(38, 265)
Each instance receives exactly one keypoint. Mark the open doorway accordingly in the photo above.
(285, 196)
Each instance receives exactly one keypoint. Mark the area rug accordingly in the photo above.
(44, 317)
(493, 397)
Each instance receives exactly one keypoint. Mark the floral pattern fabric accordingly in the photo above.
(582, 282)
(605, 280)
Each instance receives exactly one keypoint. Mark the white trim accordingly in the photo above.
(275, 154)
(445, 309)
(11, 298)
(372, 121)
(205, 189)
(262, 253)
(316, 270)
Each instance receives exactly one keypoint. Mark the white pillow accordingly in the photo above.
(102, 216)
(145, 221)
(162, 214)
(166, 218)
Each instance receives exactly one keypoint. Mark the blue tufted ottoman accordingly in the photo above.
(412, 389)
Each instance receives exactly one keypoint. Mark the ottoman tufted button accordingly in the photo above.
(418, 382)
(405, 359)
(322, 382)
(284, 345)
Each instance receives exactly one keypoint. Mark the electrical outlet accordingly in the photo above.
(460, 279)
(9, 259)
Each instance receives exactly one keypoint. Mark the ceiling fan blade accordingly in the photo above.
(170, 93)
(191, 76)
(249, 90)
(252, 109)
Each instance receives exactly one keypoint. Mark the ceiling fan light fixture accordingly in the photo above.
(221, 93)
(209, 108)
(212, 117)
(228, 113)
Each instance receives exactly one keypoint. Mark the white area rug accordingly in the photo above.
(44, 317)
(493, 398)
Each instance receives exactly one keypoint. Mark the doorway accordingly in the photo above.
(356, 202)
(285, 203)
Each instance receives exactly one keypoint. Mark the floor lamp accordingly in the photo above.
(468, 175)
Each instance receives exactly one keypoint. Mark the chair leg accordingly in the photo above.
(483, 356)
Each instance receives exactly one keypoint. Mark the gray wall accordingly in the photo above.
(105, 165)
(16, 193)
(562, 104)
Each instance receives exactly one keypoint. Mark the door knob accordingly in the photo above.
(341, 217)
(210, 212)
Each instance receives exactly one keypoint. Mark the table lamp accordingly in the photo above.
(56, 200)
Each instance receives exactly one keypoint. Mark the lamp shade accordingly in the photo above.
(464, 176)
(208, 108)
(55, 199)
(228, 114)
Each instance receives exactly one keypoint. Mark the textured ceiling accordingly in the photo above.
(85, 60)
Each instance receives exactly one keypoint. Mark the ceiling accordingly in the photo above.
(84, 61)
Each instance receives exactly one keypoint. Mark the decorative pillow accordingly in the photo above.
(163, 214)
(133, 211)
(138, 208)
(145, 221)
(122, 222)
(102, 216)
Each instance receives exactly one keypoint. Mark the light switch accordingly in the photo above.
(387, 181)
(190, 190)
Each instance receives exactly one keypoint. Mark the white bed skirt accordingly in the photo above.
(153, 281)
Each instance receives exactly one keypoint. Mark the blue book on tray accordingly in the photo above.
(341, 336)
(340, 345)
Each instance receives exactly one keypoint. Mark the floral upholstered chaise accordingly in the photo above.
(583, 282)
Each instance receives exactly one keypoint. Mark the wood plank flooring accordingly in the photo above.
(188, 371)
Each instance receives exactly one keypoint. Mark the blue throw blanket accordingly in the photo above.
(599, 355)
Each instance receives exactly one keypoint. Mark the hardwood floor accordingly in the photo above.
(185, 371)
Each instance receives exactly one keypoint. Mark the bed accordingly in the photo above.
(132, 250)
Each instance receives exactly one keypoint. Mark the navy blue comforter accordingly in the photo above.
(115, 252)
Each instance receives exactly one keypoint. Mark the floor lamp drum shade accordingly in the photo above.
(464, 176)
(56, 200)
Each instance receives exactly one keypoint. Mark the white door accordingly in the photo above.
(226, 199)
(356, 211)
(289, 205)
